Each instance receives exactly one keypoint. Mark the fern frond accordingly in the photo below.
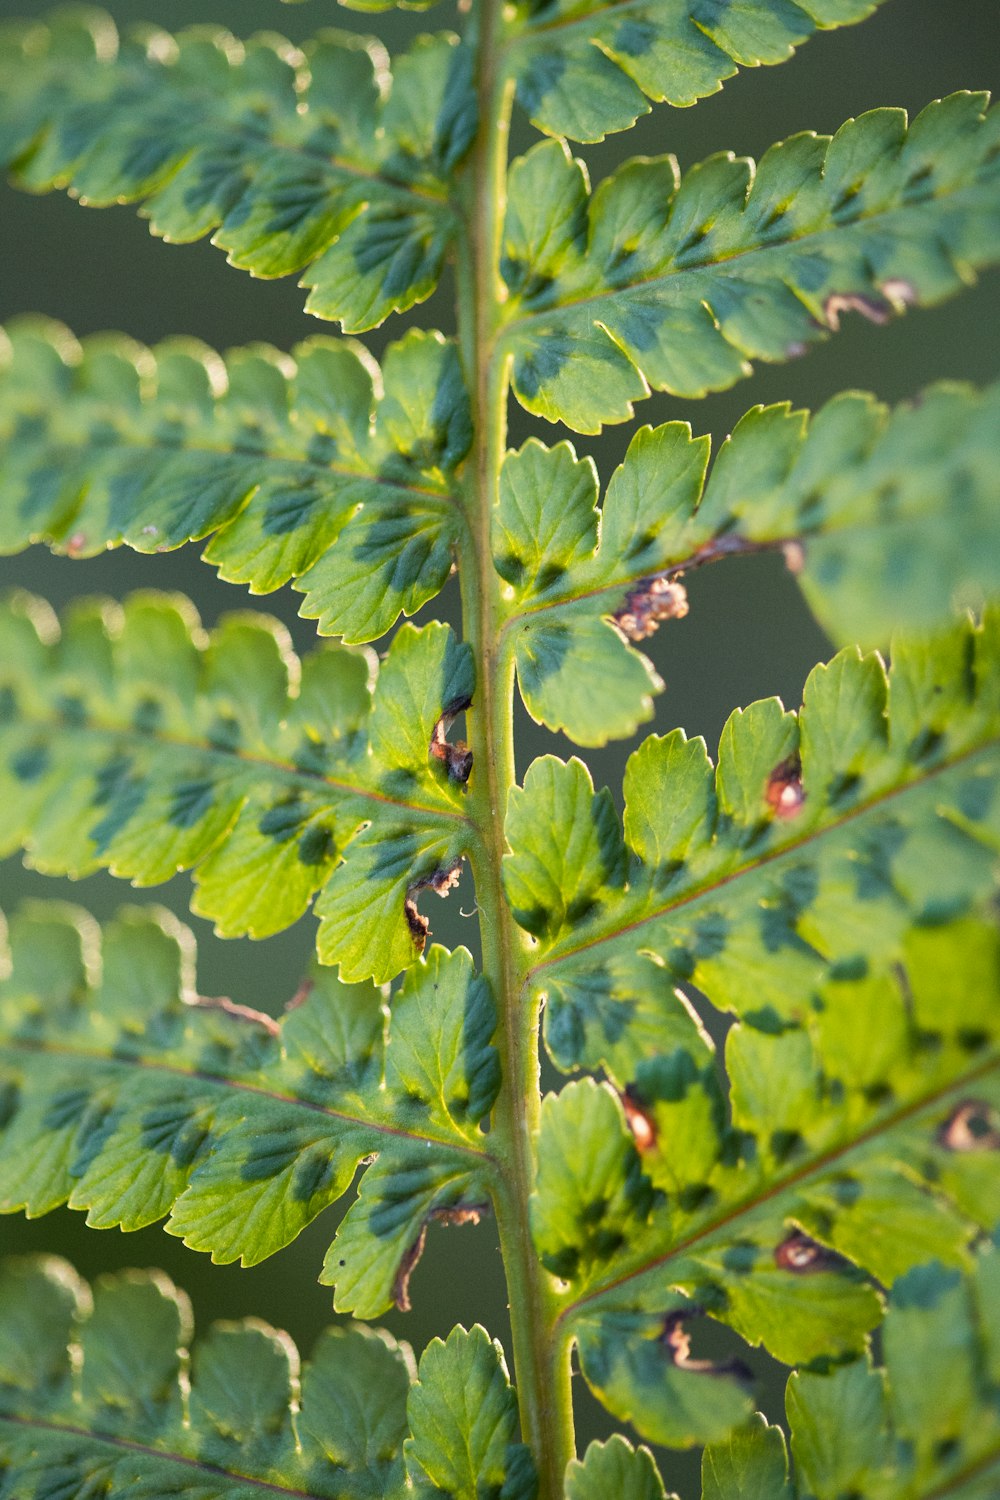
(319, 161)
(96, 1397)
(861, 1137)
(922, 1426)
(827, 885)
(818, 840)
(133, 1099)
(886, 518)
(677, 285)
(587, 69)
(137, 742)
(320, 469)
(930, 1429)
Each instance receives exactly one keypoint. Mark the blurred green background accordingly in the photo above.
(747, 635)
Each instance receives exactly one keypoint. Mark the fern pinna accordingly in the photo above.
(771, 981)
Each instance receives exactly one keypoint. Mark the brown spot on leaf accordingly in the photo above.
(972, 1125)
(456, 758)
(407, 1266)
(841, 302)
(640, 1122)
(441, 882)
(784, 792)
(417, 923)
(677, 1339)
(461, 1213)
(76, 544)
(803, 1256)
(650, 603)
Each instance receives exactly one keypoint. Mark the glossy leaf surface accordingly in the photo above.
(585, 70)
(886, 518)
(133, 740)
(321, 469)
(654, 282)
(133, 1099)
(111, 1400)
(317, 162)
(819, 839)
(860, 1130)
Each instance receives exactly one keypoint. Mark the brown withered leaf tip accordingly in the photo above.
(301, 995)
(650, 603)
(896, 294)
(456, 758)
(795, 557)
(640, 1122)
(462, 1213)
(803, 1256)
(972, 1125)
(441, 882)
(841, 302)
(239, 1012)
(784, 794)
(677, 1339)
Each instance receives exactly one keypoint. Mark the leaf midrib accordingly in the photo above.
(975, 1470)
(127, 1445)
(617, 7)
(126, 443)
(561, 955)
(819, 1164)
(216, 1080)
(717, 549)
(133, 737)
(136, 76)
(676, 274)
(729, 545)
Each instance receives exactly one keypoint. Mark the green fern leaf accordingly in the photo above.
(921, 1427)
(839, 913)
(839, 1157)
(119, 1422)
(585, 70)
(614, 1468)
(607, 301)
(243, 1129)
(135, 742)
(463, 1418)
(292, 161)
(323, 469)
(819, 839)
(96, 1396)
(751, 1464)
(885, 518)
(374, 6)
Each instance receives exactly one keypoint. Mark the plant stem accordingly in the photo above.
(541, 1358)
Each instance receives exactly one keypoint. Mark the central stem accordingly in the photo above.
(540, 1355)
